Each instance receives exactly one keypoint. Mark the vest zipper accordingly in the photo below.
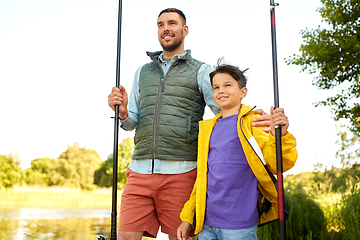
(156, 120)
(162, 88)
(162, 85)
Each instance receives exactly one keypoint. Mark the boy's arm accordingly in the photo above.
(278, 119)
(268, 147)
(188, 211)
(289, 152)
(288, 141)
(183, 231)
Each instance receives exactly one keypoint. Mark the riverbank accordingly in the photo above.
(56, 197)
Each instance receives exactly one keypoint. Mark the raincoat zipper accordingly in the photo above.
(264, 164)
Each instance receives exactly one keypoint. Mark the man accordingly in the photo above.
(166, 103)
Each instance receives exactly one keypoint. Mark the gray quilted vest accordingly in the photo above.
(170, 109)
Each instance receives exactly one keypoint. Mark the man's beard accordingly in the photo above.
(173, 46)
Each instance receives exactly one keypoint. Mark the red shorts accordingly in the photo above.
(152, 200)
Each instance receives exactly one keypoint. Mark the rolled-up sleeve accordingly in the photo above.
(131, 121)
(205, 87)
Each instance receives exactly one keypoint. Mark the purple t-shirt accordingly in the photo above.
(232, 194)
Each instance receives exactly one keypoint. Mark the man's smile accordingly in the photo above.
(167, 36)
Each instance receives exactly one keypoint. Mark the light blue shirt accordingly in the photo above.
(130, 123)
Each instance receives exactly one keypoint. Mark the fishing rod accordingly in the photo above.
(279, 165)
(116, 135)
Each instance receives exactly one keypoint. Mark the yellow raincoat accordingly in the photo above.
(259, 148)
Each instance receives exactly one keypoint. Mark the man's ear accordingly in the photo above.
(185, 30)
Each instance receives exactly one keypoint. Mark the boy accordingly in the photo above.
(231, 177)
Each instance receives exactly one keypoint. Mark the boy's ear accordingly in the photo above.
(243, 92)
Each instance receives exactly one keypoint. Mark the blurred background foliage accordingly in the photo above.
(76, 167)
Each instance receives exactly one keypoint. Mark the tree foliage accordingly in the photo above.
(42, 165)
(349, 151)
(103, 176)
(333, 52)
(75, 167)
(39, 172)
(10, 171)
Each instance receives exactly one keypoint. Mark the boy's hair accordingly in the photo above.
(233, 71)
(175, 10)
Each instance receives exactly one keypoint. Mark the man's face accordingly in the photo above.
(171, 31)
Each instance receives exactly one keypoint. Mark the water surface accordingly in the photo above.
(51, 224)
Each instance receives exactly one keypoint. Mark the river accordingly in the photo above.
(59, 224)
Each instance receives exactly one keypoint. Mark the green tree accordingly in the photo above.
(42, 165)
(333, 51)
(39, 172)
(349, 151)
(75, 167)
(103, 176)
(35, 177)
(10, 171)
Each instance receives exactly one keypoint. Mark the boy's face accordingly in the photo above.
(226, 92)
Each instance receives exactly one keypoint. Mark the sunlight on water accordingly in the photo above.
(48, 224)
(59, 224)
(43, 213)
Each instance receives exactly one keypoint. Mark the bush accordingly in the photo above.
(350, 214)
(306, 220)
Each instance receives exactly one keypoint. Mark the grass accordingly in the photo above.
(339, 206)
(55, 197)
(317, 209)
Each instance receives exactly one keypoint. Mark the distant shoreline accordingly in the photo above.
(56, 197)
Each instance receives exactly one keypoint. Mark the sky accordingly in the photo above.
(58, 65)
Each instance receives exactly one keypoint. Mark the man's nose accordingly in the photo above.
(166, 27)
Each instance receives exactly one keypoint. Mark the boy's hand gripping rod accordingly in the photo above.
(280, 186)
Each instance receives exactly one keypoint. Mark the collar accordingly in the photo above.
(243, 111)
(161, 58)
(158, 56)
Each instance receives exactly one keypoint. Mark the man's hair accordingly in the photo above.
(175, 10)
(233, 71)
